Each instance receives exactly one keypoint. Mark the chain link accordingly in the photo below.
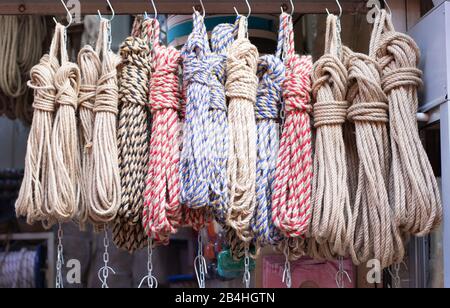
(201, 269)
(59, 259)
(152, 282)
(103, 273)
(247, 275)
(287, 277)
(342, 274)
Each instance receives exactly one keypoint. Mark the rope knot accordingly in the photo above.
(67, 82)
(365, 84)
(401, 77)
(297, 86)
(164, 84)
(218, 100)
(242, 62)
(134, 51)
(42, 83)
(271, 73)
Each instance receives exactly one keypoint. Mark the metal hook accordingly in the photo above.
(388, 7)
(154, 10)
(112, 10)
(292, 8)
(340, 9)
(249, 9)
(69, 14)
(203, 8)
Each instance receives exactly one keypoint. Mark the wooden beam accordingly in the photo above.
(54, 7)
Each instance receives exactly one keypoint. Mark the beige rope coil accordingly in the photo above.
(65, 163)
(32, 201)
(90, 68)
(376, 235)
(414, 191)
(332, 214)
(241, 88)
(105, 185)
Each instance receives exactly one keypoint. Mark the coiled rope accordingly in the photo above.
(376, 235)
(105, 185)
(332, 217)
(133, 135)
(241, 89)
(64, 169)
(413, 188)
(163, 212)
(90, 68)
(291, 207)
(32, 201)
(271, 74)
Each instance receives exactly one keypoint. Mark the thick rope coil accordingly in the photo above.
(133, 136)
(90, 68)
(271, 74)
(376, 236)
(332, 213)
(291, 209)
(196, 156)
(413, 189)
(241, 88)
(105, 185)
(163, 212)
(32, 201)
(65, 162)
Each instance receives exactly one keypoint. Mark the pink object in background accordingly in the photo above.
(306, 273)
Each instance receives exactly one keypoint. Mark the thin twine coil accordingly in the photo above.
(32, 201)
(271, 74)
(332, 215)
(105, 190)
(413, 189)
(133, 135)
(64, 169)
(163, 213)
(90, 68)
(241, 89)
(376, 236)
(291, 209)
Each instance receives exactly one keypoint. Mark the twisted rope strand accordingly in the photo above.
(413, 188)
(241, 88)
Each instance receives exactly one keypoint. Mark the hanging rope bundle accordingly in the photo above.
(65, 163)
(271, 74)
(196, 156)
(332, 214)
(133, 139)
(162, 209)
(375, 236)
(32, 201)
(291, 209)
(90, 68)
(105, 185)
(241, 87)
(414, 192)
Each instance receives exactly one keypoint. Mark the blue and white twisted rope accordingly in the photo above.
(197, 155)
(271, 74)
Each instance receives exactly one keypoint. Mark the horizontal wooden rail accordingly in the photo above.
(54, 7)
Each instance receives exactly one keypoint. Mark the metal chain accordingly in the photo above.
(152, 282)
(396, 280)
(201, 270)
(287, 277)
(342, 274)
(103, 273)
(247, 275)
(59, 259)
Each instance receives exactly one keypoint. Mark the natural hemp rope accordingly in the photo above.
(241, 88)
(291, 209)
(105, 185)
(414, 193)
(65, 162)
(376, 236)
(32, 201)
(133, 136)
(332, 213)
